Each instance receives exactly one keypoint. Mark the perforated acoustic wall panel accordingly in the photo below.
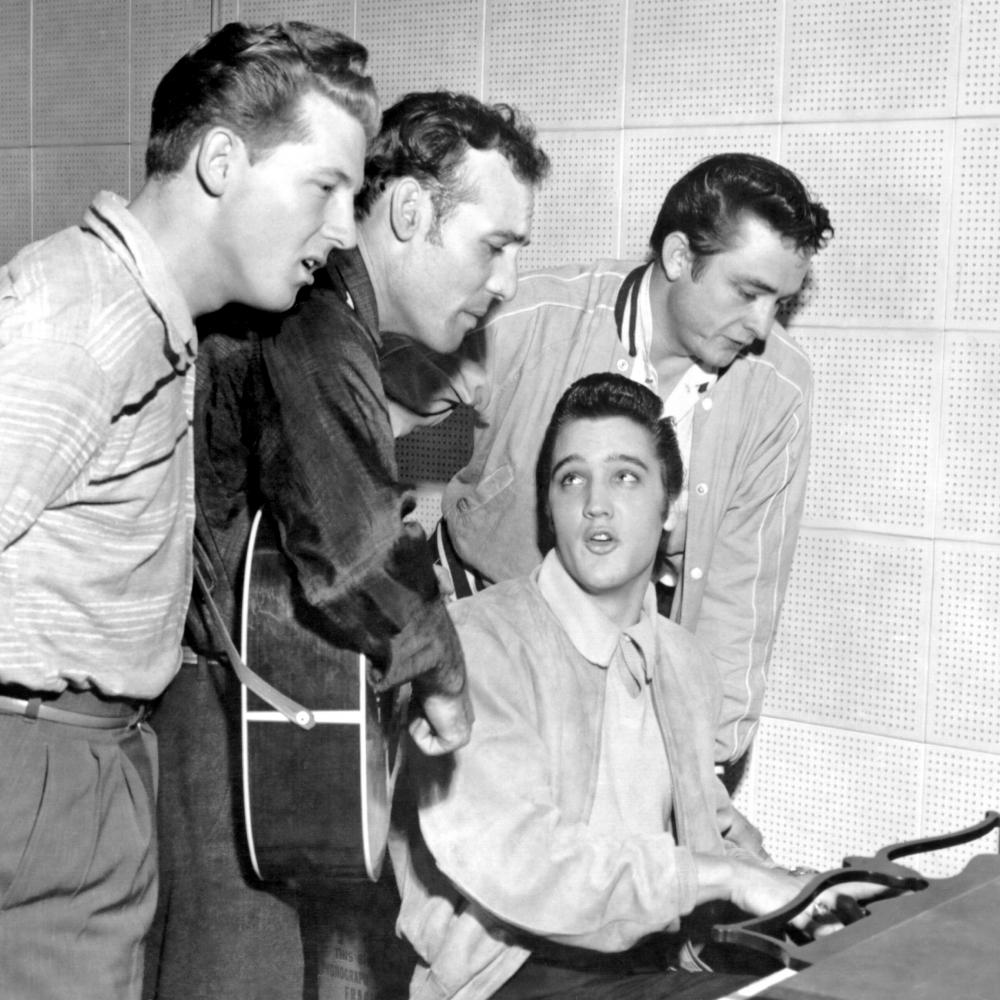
(875, 430)
(965, 681)
(427, 511)
(975, 257)
(815, 789)
(161, 33)
(655, 158)
(852, 649)
(63, 173)
(979, 82)
(576, 219)
(80, 72)
(969, 504)
(892, 59)
(886, 188)
(561, 60)
(15, 78)
(703, 61)
(15, 201)
(435, 454)
(335, 14)
(423, 45)
(958, 783)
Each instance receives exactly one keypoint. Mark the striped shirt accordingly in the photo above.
(97, 349)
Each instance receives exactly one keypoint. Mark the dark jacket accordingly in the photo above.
(290, 414)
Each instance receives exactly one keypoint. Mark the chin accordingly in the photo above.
(277, 303)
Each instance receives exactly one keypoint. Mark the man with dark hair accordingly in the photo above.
(266, 130)
(290, 415)
(696, 323)
(562, 851)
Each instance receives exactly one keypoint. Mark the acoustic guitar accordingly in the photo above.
(317, 800)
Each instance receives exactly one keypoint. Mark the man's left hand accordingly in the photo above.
(442, 723)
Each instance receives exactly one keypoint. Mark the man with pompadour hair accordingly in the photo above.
(698, 323)
(256, 130)
(573, 847)
(291, 416)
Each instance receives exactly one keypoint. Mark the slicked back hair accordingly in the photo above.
(711, 200)
(426, 136)
(598, 396)
(252, 79)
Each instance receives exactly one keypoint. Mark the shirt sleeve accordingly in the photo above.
(491, 817)
(53, 416)
(328, 477)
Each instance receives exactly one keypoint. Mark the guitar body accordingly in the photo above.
(316, 802)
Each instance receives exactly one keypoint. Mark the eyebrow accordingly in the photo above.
(762, 286)
(509, 236)
(609, 460)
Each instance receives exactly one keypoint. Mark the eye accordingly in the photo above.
(568, 479)
(748, 295)
(627, 476)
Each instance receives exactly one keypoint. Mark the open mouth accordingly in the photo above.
(600, 540)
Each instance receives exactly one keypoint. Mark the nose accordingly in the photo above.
(338, 222)
(761, 318)
(502, 282)
(596, 503)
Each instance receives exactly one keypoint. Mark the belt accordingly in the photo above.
(125, 713)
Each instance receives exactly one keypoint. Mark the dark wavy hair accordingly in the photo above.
(597, 396)
(709, 202)
(251, 78)
(426, 135)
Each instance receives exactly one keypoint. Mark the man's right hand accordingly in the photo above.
(441, 723)
(760, 890)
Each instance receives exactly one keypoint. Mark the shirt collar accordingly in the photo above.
(595, 636)
(347, 269)
(109, 219)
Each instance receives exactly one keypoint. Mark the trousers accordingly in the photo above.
(77, 859)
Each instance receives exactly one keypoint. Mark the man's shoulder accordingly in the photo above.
(71, 267)
(571, 285)
(69, 288)
(503, 607)
(780, 356)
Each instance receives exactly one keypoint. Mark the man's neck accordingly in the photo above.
(670, 364)
(374, 261)
(171, 219)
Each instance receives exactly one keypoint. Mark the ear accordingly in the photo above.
(216, 157)
(675, 255)
(407, 203)
(670, 521)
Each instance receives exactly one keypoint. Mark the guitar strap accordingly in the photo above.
(290, 709)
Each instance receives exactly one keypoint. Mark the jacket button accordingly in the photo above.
(696, 573)
(622, 365)
(706, 404)
(701, 489)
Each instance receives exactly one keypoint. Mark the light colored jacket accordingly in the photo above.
(747, 476)
(502, 849)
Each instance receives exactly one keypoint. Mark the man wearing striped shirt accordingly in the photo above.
(254, 131)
